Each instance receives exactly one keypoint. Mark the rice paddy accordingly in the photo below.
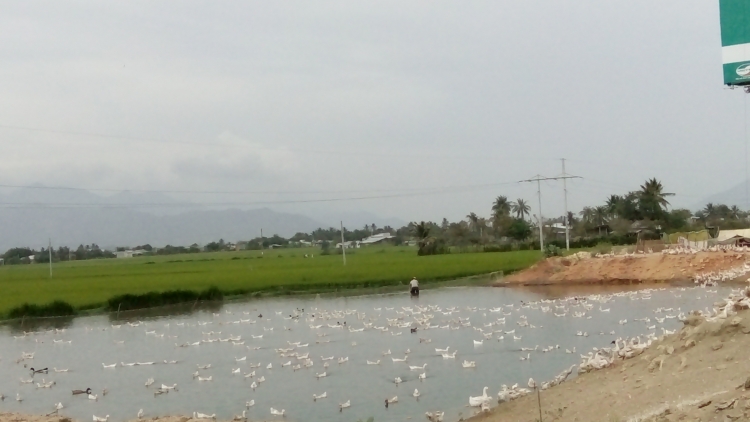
(90, 284)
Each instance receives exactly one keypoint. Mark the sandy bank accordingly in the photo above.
(703, 366)
(630, 269)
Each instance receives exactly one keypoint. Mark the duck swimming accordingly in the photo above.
(39, 371)
(86, 391)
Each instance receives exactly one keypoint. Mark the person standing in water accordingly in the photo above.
(414, 286)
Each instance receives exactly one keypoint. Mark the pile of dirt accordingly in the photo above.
(701, 373)
(626, 269)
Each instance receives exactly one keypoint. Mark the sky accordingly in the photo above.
(417, 110)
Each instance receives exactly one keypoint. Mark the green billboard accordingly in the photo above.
(735, 41)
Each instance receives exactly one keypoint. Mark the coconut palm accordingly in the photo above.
(735, 212)
(652, 199)
(612, 204)
(421, 231)
(473, 220)
(710, 210)
(501, 207)
(520, 208)
(587, 214)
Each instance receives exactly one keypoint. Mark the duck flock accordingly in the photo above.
(390, 357)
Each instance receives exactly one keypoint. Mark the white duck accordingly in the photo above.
(275, 412)
(416, 393)
(478, 400)
(468, 364)
(98, 419)
(344, 405)
(320, 396)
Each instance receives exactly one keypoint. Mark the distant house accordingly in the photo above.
(275, 246)
(348, 245)
(558, 229)
(130, 253)
(377, 238)
(240, 245)
(734, 237)
(305, 243)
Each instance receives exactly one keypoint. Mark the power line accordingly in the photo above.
(538, 179)
(243, 191)
(210, 204)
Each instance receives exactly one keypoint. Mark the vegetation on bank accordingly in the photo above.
(111, 282)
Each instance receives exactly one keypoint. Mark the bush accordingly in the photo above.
(153, 299)
(53, 309)
(552, 250)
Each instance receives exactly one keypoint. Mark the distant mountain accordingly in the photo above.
(356, 219)
(735, 195)
(126, 227)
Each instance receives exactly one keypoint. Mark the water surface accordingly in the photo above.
(95, 341)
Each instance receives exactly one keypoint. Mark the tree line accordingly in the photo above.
(621, 218)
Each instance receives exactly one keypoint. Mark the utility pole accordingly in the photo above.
(49, 251)
(567, 223)
(343, 247)
(538, 179)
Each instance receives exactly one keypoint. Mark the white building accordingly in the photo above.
(376, 238)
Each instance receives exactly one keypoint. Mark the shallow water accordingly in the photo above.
(94, 341)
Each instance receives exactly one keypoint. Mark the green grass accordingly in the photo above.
(90, 284)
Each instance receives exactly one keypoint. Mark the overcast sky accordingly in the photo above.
(341, 99)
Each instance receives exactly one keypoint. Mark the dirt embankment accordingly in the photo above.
(626, 269)
(704, 376)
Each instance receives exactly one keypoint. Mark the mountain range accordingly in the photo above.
(31, 216)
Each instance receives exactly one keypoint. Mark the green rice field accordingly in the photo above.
(89, 284)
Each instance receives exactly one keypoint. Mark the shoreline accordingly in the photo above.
(699, 373)
(478, 280)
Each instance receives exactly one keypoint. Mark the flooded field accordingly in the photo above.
(282, 346)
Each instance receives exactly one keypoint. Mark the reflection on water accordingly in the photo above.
(99, 340)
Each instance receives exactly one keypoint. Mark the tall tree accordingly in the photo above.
(473, 220)
(520, 208)
(587, 214)
(652, 199)
(613, 204)
(501, 207)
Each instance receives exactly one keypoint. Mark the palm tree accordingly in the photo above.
(735, 212)
(421, 231)
(613, 203)
(587, 214)
(521, 208)
(652, 199)
(501, 207)
(710, 210)
(473, 220)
